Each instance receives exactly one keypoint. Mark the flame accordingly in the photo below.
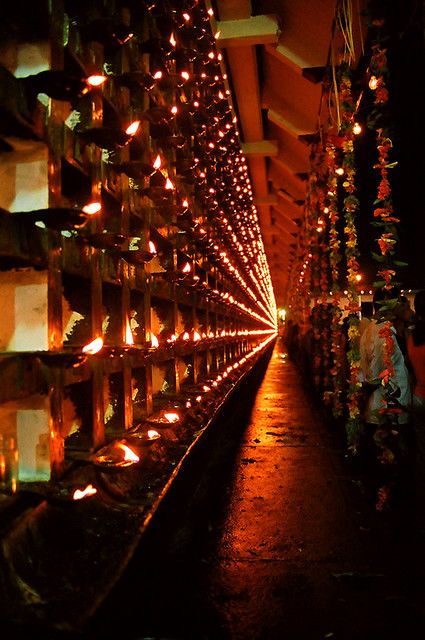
(128, 334)
(96, 80)
(152, 247)
(94, 346)
(154, 341)
(196, 336)
(157, 163)
(172, 338)
(157, 75)
(357, 128)
(185, 75)
(169, 184)
(172, 40)
(172, 417)
(186, 268)
(133, 128)
(79, 494)
(185, 203)
(152, 433)
(92, 207)
(129, 454)
(186, 335)
(373, 83)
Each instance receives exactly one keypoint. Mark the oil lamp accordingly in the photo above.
(135, 169)
(59, 218)
(60, 85)
(136, 80)
(110, 138)
(115, 457)
(104, 240)
(106, 32)
(164, 419)
(141, 436)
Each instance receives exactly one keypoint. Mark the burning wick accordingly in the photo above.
(96, 80)
(133, 128)
(129, 454)
(79, 494)
(172, 417)
(92, 207)
(94, 346)
(128, 334)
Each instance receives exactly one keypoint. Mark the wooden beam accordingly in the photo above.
(263, 29)
(283, 123)
(268, 200)
(262, 148)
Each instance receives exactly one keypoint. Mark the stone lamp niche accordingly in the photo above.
(26, 422)
(23, 321)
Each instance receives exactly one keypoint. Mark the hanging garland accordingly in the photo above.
(386, 436)
(333, 397)
(354, 423)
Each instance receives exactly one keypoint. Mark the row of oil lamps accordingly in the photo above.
(125, 453)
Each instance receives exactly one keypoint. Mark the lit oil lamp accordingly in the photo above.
(141, 436)
(114, 457)
(164, 419)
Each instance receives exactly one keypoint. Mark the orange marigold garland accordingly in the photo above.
(350, 209)
(387, 435)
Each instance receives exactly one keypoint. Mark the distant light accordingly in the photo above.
(357, 128)
(373, 83)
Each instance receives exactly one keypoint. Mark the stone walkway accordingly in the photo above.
(274, 540)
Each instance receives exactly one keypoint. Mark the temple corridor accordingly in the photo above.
(201, 201)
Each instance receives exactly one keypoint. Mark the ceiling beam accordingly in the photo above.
(287, 125)
(262, 29)
(267, 200)
(263, 148)
(284, 217)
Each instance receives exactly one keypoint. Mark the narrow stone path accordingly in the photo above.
(274, 541)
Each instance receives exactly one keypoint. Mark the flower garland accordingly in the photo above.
(354, 424)
(334, 397)
(386, 436)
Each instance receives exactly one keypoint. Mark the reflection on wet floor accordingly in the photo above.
(270, 539)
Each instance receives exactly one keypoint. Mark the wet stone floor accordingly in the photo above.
(270, 537)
